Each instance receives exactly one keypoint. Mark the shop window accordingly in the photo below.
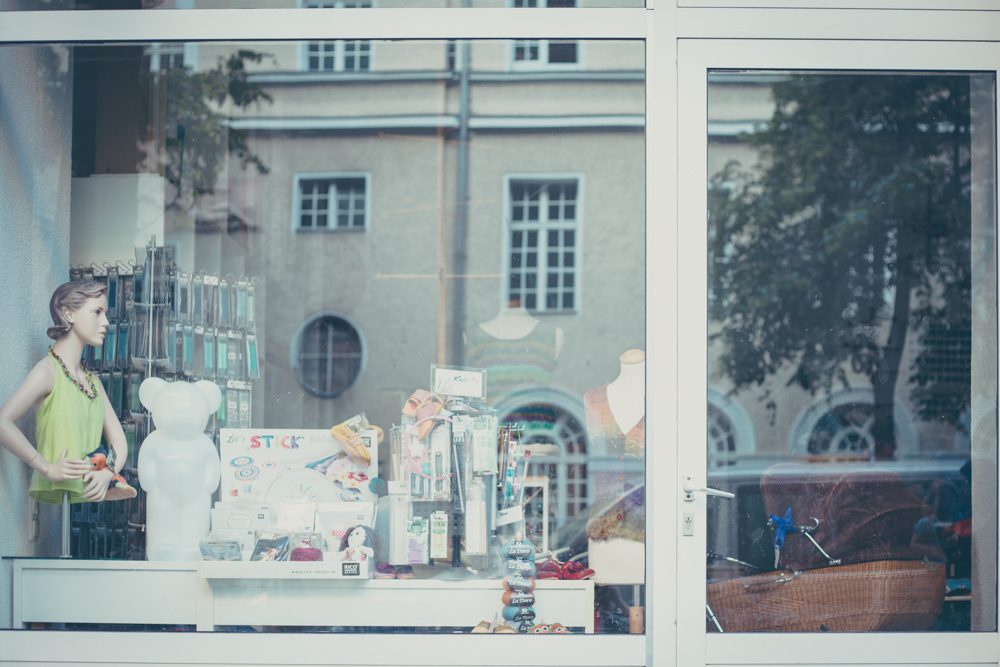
(532, 53)
(542, 266)
(344, 55)
(329, 355)
(325, 202)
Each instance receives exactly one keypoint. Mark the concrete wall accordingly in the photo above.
(35, 112)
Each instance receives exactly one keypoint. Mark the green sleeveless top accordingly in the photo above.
(69, 420)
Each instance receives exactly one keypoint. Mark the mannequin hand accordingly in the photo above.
(96, 484)
(63, 469)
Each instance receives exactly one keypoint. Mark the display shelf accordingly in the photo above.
(211, 594)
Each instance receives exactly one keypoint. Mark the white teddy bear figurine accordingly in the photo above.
(178, 467)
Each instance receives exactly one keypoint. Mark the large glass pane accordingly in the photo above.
(852, 351)
(373, 254)
(561, 47)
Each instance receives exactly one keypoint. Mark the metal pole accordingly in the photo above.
(65, 553)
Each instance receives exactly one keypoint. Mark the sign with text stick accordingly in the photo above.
(256, 462)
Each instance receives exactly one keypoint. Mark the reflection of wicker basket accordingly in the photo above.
(863, 597)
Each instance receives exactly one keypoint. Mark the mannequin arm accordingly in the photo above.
(36, 386)
(97, 481)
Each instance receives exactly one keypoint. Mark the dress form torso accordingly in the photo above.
(616, 426)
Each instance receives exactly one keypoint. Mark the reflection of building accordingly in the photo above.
(780, 419)
(408, 200)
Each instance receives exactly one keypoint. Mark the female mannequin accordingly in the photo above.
(616, 426)
(71, 407)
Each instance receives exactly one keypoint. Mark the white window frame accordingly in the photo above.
(542, 264)
(665, 28)
(339, 45)
(542, 62)
(332, 176)
(696, 58)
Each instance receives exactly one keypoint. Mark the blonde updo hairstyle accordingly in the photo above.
(71, 296)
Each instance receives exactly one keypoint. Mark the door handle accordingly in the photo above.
(690, 489)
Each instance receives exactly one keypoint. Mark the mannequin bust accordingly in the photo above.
(615, 417)
(518, 351)
(627, 392)
(72, 411)
(514, 322)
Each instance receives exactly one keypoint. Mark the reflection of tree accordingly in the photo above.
(196, 102)
(855, 231)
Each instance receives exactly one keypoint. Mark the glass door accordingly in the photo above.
(846, 365)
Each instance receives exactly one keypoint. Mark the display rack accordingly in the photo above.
(173, 325)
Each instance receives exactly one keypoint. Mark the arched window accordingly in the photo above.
(730, 431)
(841, 425)
(327, 355)
(558, 440)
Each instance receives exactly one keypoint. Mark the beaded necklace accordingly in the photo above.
(92, 394)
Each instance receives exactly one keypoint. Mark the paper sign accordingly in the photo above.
(454, 381)
(259, 462)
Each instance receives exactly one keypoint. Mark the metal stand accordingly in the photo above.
(65, 551)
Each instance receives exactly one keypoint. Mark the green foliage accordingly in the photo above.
(863, 191)
(198, 105)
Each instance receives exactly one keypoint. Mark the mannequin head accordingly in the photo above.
(67, 300)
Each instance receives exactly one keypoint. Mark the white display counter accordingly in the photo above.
(212, 594)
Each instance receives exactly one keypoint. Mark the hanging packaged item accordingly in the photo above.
(182, 297)
(252, 360)
(112, 282)
(427, 463)
(439, 534)
(210, 300)
(234, 356)
(251, 315)
(418, 535)
(209, 354)
(240, 319)
(197, 311)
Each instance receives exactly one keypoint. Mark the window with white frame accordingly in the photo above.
(531, 53)
(542, 266)
(342, 55)
(328, 354)
(331, 202)
(163, 56)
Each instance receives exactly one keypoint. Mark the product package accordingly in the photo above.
(307, 547)
(334, 519)
(391, 527)
(295, 515)
(227, 544)
(418, 539)
(271, 547)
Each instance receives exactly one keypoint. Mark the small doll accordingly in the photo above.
(358, 544)
(72, 411)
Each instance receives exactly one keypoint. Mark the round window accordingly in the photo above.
(328, 355)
